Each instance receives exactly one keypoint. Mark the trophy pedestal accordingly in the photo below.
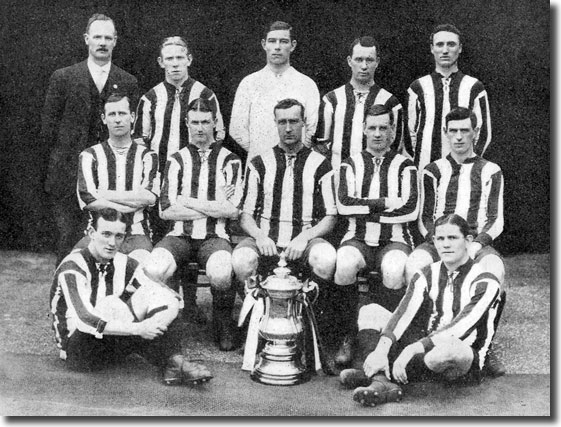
(280, 364)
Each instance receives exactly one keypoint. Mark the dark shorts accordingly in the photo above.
(268, 263)
(484, 251)
(185, 249)
(373, 255)
(132, 242)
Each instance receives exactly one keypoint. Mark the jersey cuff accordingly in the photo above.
(427, 344)
(100, 328)
(389, 335)
(484, 239)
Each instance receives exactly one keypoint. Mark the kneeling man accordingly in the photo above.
(458, 301)
(105, 308)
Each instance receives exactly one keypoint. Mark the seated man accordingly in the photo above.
(120, 175)
(461, 301)
(201, 189)
(288, 205)
(378, 194)
(472, 187)
(105, 308)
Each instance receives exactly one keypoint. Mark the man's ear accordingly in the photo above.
(160, 62)
(103, 118)
(263, 43)
(469, 238)
(293, 43)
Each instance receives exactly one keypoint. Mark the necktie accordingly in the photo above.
(445, 110)
(377, 163)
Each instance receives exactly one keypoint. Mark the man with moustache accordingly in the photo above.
(71, 122)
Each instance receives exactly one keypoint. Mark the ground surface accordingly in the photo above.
(34, 382)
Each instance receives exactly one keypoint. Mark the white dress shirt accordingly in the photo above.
(99, 73)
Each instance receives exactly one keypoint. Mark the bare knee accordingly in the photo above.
(160, 266)
(373, 316)
(393, 269)
(244, 263)
(322, 259)
(418, 259)
(141, 255)
(451, 357)
(219, 270)
(349, 262)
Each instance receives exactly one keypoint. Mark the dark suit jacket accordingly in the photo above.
(71, 120)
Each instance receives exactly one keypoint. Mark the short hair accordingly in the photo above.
(110, 215)
(446, 27)
(461, 113)
(380, 110)
(200, 104)
(365, 41)
(174, 41)
(116, 97)
(99, 17)
(287, 103)
(277, 26)
(454, 219)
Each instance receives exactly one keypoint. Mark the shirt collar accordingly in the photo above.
(96, 69)
(468, 160)
(287, 72)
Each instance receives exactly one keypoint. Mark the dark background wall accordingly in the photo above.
(506, 45)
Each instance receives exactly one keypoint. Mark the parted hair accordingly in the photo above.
(446, 27)
(379, 110)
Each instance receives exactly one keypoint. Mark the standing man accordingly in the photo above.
(120, 175)
(342, 112)
(288, 204)
(162, 127)
(457, 302)
(200, 193)
(104, 308)
(252, 125)
(377, 192)
(433, 96)
(71, 122)
(467, 185)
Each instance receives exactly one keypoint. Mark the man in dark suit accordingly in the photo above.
(71, 122)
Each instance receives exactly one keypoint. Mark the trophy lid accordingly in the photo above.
(282, 280)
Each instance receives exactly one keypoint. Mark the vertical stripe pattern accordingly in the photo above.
(76, 290)
(283, 206)
(100, 169)
(473, 190)
(156, 119)
(186, 174)
(425, 119)
(338, 111)
(362, 189)
(465, 309)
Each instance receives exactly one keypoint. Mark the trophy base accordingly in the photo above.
(280, 364)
